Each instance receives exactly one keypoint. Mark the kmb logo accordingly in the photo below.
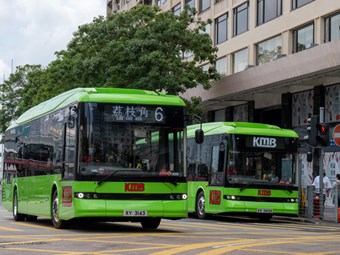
(134, 187)
(264, 192)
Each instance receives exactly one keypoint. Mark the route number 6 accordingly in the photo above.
(159, 114)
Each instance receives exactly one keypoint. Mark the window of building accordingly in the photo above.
(241, 19)
(240, 60)
(148, 2)
(176, 10)
(191, 3)
(205, 68)
(161, 2)
(221, 29)
(332, 28)
(304, 38)
(299, 3)
(207, 29)
(204, 4)
(222, 66)
(268, 10)
(266, 51)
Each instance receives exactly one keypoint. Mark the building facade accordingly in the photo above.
(279, 61)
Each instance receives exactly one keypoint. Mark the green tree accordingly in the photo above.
(142, 48)
(18, 93)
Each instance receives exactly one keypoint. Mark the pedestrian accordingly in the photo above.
(336, 186)
(325, 187)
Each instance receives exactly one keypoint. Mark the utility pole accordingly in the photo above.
(321, 206)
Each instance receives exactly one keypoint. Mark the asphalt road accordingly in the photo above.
(219, 235)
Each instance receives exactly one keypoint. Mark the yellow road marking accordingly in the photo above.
(44, 251)
(263, 242)
(34, 226)
(10, 229)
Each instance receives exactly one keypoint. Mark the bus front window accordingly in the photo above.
(128, 148)
(262, 166)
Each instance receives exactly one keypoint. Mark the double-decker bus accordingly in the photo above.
(242, 169)
(76, 156)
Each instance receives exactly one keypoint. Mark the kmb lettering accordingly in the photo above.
(134, 187)
(264, 192)
(264, 142)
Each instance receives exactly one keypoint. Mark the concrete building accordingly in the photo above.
(280, 62)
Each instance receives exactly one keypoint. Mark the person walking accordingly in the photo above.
(325, 187)
(336, 186)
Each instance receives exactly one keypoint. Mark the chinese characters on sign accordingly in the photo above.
(132, 113)
(129, 113)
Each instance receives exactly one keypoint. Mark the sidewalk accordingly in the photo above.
(329, 217)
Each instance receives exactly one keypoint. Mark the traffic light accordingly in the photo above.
(313, 131)
(323, 134)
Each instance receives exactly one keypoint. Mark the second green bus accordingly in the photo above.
(242, 169)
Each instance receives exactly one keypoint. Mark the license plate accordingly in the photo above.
(264, 211)
(135, 213)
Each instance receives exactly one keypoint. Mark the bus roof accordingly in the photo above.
(241, 128)
(98, 95)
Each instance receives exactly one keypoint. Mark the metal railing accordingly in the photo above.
(326, 210)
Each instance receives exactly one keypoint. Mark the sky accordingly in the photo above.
(32, 30)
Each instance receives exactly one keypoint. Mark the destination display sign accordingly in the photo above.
(265, 142)
(135, 113)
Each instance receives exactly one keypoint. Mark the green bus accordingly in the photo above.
(76, 156)
(242, 169)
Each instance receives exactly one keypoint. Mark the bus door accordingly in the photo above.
(70, 135)
(217, 175)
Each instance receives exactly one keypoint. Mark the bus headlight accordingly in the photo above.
(184, 196)
(80, 195)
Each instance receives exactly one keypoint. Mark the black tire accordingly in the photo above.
(150, 223)
(57, 223)
(200, 206)
(16, 215)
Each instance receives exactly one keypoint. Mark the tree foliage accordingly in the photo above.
(141, 48)
(18, 93)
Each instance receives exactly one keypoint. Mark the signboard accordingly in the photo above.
(265, 142)
(336, 134)
(134, 113)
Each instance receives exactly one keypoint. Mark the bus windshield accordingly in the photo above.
(262, 164)
(126, 146)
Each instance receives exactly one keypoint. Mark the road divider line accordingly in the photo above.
(10, 229)
(34, 226)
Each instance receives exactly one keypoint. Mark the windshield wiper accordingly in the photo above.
(289, 188)
(246, 185)
(171, 181)
(100, 182)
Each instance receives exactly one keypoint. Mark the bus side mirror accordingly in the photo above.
(199, 136)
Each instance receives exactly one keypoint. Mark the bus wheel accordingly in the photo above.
(16, 215)
(150, 223)
(200, 206)
(57, 223)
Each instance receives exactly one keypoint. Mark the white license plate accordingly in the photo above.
(135, 213)
(264, 211)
